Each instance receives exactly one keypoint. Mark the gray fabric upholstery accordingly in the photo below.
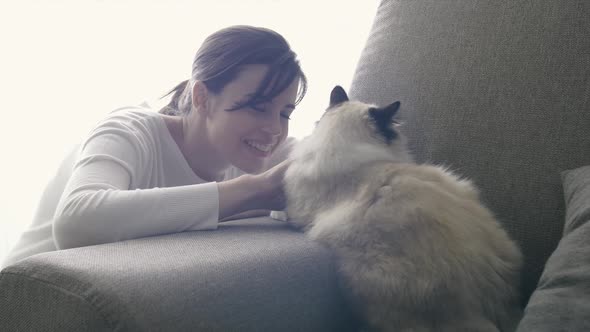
(251, 275)
(28, 304)
(561, 300)
(497, 90)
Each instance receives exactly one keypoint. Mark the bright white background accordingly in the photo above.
(64, 64)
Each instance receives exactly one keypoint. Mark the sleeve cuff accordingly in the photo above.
(279, 215)
(205, 207)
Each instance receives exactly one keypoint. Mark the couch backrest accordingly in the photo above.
(499, 91)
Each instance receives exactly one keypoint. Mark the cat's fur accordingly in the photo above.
(416, 249)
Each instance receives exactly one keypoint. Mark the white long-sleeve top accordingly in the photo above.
(128, 179)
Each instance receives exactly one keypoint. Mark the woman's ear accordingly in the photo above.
(199, 96)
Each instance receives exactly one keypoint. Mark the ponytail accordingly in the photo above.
(178, 103)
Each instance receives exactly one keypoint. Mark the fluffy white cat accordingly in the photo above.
(415, 248)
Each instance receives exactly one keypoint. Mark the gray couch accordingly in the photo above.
(497, 90)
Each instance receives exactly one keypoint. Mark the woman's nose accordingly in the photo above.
(273, 125)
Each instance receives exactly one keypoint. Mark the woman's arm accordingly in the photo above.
(105, 211)
(97, 207)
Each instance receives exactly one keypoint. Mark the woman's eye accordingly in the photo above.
(263, 110)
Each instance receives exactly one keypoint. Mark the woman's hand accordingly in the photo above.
(262, 191)
(272, 195)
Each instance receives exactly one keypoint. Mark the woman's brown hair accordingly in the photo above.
(221, 57)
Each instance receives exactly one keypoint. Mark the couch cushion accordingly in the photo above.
(561, 301)
(498, 91)
(249, 275)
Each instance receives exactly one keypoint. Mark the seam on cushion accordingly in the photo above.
(109, 324)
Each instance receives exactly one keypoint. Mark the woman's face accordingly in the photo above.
(247, 136)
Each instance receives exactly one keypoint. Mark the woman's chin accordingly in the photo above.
(250, 166)
(251, 160)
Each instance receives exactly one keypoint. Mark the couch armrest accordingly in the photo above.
(249, 275)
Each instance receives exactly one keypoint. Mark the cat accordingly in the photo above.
(415, 248)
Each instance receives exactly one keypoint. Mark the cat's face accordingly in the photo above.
(353, 122)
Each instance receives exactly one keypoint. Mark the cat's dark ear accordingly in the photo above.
(337, 96)
(385, 115)
(383, 118)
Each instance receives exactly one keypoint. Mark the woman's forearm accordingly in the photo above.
(236, 196)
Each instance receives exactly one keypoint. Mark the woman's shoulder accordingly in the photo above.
(136, 125)
(132, 114)
(136, 120)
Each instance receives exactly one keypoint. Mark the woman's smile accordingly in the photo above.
(260, 149)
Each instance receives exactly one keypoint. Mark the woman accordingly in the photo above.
(212, 154)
